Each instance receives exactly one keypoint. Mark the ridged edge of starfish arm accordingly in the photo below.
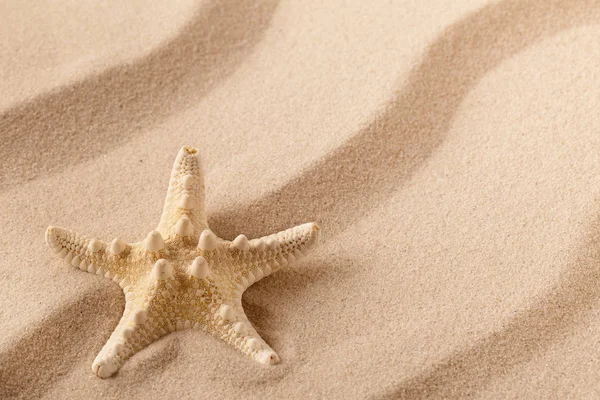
(129, 337)
(89, 254)
(234, 328)
(183, 212)
(258, 258)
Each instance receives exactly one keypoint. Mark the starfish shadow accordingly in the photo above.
(106, 110)
(384, 155)
(144, 369)
(257, 299)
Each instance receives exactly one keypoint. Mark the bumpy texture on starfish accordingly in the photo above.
(182, 275)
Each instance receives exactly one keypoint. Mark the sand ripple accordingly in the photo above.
(106, 110)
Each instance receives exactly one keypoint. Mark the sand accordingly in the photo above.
(448, 150)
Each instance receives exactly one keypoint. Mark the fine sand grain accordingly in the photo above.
(448, 150)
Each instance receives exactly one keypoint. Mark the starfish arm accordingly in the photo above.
(261, 257)
(134, 332)
(232, 326)
(183, 213)
(91, 255)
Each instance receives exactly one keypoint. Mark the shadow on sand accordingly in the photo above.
(99, 113)
(385, 154)
(364, 171)
(103, 111)
(54, 348)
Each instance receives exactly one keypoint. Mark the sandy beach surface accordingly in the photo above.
(448, 150)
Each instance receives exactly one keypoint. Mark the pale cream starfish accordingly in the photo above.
(182, 275)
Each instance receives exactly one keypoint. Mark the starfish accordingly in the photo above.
(182, 275)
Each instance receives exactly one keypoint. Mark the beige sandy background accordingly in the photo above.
(449, 151)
